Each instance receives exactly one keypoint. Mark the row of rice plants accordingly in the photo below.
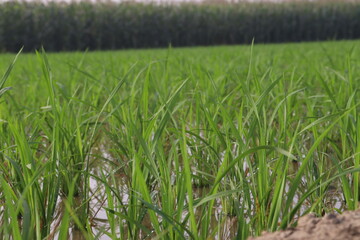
(182, 143)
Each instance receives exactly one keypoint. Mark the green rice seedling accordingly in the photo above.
(181, 143)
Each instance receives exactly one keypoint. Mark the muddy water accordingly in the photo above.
(227, 226)
(224, 225)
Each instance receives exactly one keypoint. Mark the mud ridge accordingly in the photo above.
(330, 227)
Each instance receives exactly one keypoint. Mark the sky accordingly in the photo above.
(175, 1)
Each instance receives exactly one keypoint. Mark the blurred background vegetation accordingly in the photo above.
(108, 25)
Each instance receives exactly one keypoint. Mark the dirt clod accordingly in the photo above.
(331, 227)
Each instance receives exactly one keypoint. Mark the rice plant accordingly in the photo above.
(178, 143)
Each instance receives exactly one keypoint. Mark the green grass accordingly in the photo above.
(187, 143)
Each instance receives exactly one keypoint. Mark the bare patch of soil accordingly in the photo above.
(330, 227)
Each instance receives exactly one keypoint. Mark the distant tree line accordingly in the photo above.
(85, 25)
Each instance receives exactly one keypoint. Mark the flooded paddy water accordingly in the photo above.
(224, 225)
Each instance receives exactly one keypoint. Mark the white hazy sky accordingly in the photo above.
(168, 1)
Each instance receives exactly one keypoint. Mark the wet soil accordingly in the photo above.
(330, 227)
